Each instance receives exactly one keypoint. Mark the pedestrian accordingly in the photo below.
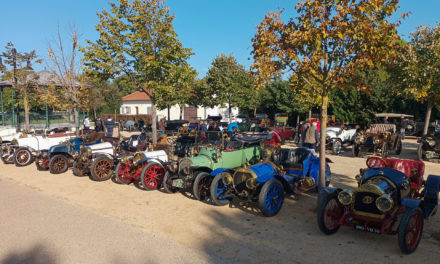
(86, 123)
(98, 125)
(312, 138)
(109, 125)
(304, 128)
(403, 125)
(162, 125)
(141, 124)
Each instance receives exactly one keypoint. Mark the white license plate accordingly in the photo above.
(368, 229)
(178, 183)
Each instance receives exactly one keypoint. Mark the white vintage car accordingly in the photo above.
(336, 137)
(21, 151)
(8, 134)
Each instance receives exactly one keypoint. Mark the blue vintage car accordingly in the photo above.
(391, 198)
(267, 181)
(59, 157)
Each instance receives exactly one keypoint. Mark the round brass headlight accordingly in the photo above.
(384, 203)
(376, 141)
(89, 152)
(227, 179)
(138, 157)
(75, 154)
(251, 183)
(14, 142)
(345, 197)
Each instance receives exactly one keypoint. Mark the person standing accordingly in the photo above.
(98, 125)
(403, 125)
(109, 125)
(304, 128)
(311, 137)
(86, 123)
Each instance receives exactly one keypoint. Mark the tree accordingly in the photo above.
(137, 38)
(418, 68)
(24, 79)
(227, 83)
(325, 45)
(72, 90)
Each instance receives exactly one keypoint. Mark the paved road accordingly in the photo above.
(35, 228)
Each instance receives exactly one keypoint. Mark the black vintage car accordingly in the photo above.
(429, 147)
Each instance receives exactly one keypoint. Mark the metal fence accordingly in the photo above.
(40, 119)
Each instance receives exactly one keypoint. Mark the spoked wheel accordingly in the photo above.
(167, 182)
(218, 189)
(410, 230)
(41, 164)
(58, 164)
(101, 169)
(355, 149)
(330, 212)
(79, 169)
(271, 198)
(22, 157)
(122, 173)
(152, 176)
(201, 186)
(337, 146)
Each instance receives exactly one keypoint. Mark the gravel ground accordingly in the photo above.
(236, 233)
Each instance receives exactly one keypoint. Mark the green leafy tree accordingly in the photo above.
(325, 45)
(227, 83)
(137, 38)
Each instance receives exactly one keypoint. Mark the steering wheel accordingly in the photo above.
(376, 162)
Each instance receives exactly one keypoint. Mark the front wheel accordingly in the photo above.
(101, 169)
(58, 164)
(201, 186)
(410, 230)
(79, 169)
(22, 157)
(168, 183)
(218, 189)
(337, 146)
(330, 211)
(152, 176)
(271, 198)
(355, 150)
(122, 173)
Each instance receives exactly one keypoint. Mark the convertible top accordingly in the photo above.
(393, 115)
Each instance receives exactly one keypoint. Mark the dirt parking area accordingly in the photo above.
(238, 233)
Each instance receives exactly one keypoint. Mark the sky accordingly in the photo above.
(209, 27)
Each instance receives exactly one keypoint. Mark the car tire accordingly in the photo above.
(39, 166)
(78, 170)
(217, 189)
(119, 174)
(201, 186)
(101, 169)
(329, 203)
(58, 164)
(271, 198)
(356, 150)
(22, 157)
(421, 153)
(399, 147)
(336, 147)
(410, 230)
(384, 150)
(152, 176)
(167, 180)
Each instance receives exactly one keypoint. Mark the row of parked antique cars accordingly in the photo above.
(392, 196)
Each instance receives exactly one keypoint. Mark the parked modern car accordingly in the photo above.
(392, 198)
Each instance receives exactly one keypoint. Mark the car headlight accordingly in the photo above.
(44, 154)
(376, 141)
(89, 152)
(4, 147)
(227, 179)
(431, 143)
(138, 157)
(75, 155)
(14, 142)
(384, 203)
(38, 154)
(345, 197)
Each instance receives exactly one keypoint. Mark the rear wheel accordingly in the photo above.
(337, 146)
(168, 182)
(201, 186)
(58, 164)
(152, 176)
(410, 230)
(78, 169)
(22, 157)
(101, 169)
(218, 189)
(271, 198)
(330, 212)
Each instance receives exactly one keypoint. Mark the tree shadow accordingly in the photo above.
(38, 254)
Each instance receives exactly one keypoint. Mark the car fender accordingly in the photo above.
(410, 203)
(220, 170)
(287, 187)
(99, 154)
(430, 200)
(52, 154)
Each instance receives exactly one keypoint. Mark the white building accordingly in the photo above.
(139, 103)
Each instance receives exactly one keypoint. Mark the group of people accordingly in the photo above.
(106, 127)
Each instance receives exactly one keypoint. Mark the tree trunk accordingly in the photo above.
(169, 112)
(255, 111)
(76, 117)
(229, 106)
(322, 141)
(181, 111)
(310, 114)
(297, 120)
(26, 109)
(428, 117)
(153, 121)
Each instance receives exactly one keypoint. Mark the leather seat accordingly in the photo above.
(294, 158)
(413, 169)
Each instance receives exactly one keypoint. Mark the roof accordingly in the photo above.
(392, 115)
(137, 96)
(44, 79)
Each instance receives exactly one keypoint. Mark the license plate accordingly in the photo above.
(368, 229)
(178, 183)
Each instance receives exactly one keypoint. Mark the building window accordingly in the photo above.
(149, 110)
(128, 110)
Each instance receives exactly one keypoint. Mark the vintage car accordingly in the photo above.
(411, 128)
(8, 134)
(378, 139)
(99, 160)
(267, 181)
(22, 151)
(193, 173)
(337, 137)
(429, 146)
(392, 198)
(58, 158)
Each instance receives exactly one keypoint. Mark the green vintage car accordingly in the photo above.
(193, 173)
